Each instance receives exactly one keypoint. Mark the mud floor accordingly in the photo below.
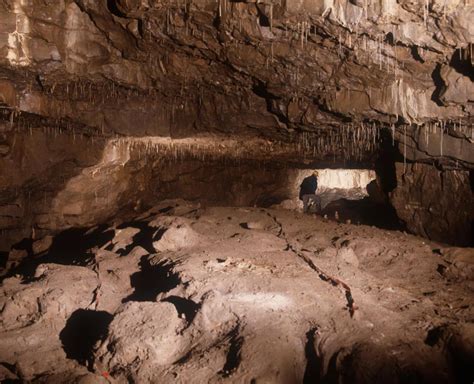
(184, 294)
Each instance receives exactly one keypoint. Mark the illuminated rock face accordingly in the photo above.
(345, 178)
(169, 68)
(317, 84)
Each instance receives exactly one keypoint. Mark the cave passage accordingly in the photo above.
(237, 191)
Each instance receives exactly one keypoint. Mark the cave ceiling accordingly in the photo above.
(287, 71)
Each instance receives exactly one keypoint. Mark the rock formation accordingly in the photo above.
(109, 108)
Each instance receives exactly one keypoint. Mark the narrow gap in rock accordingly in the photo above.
(440, 86)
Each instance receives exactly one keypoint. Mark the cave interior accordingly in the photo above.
(261, 191)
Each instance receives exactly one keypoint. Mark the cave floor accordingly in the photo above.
(189, 294)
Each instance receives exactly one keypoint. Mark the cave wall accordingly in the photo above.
(437, 204)
(33, 168)
(324, 76)
(56, 181)
(177, 68)
(220, 183)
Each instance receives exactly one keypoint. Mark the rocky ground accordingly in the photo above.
(184, 293)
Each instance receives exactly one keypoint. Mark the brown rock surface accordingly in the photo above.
(437, 204)
(267, 304)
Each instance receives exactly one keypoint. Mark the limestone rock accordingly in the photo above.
(435, 204)
(177, 234)
(147, 331)
(347, 255)
(42, 245)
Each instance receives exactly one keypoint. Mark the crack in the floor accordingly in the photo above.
(95, 294)
(322, 275)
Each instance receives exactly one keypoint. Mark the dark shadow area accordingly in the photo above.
(3, 259)
(440, 86)
(12, 371)
(260, 89)
(240, 183)
(471, 179)
(459, 355)
(112, 7)
(462, 62)
(152, 280)
(144, 238)
(233, 354)
(415, 54)
(385, 163)
(268, 201)
(314, 367)
(263, 19)
(364, 211)
(83, 330)
(70, 247)
(184, 306)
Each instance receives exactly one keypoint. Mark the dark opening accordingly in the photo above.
(355, 205)
(461, 61)
(260, 89)
(112, 7)
(263, 19)
(385, 163)
(82, 331)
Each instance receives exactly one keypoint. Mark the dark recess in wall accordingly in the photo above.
(440, 86)
(385, 163)
(112, 7)
(461, 61)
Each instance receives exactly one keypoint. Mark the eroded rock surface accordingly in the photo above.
(298, 81)
(258, 294)
(435, 203)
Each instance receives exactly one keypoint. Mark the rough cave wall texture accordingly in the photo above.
(328, 74)
(435, 204)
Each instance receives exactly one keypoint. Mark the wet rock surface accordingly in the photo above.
(286, 298)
